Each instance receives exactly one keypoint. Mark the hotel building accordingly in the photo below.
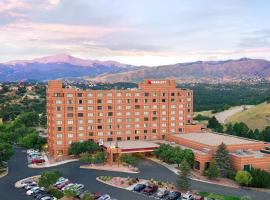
(138, 120)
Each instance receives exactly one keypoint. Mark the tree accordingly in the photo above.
(76, 148)
(56, 193)
(223, 160)
(215, 125)
(69, 192)
(213, 171)
(129, 159)
(87, 158)
(48, 178)
(246, 198)
(87, 196)
(189, 156)
(243, 177)
(29, 119)
(178, 155)
(183, 180)
(100, 157)
(32, 140)
(260, 178)
(6, 152)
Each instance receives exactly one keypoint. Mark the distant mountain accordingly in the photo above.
(244, 69)
(57, 66)
(66, 66)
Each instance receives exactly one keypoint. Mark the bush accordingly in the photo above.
(105, 178)
(260, 178)
(129, 159)
(87, 196)
(89, 146)
(48, 178)
(243, 177)
(70, 192)
(56, 193)
(213, 171)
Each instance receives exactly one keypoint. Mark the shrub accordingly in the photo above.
(213, 171)
(70, 192)
(243, 177)
(56, 193)
(48, 178)
(260, 178)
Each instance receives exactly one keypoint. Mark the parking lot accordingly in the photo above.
(18, 170)
(35, 156)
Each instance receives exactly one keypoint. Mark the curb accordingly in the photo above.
(4, 174)
(82, 167)
(18, 183)
(35, 166)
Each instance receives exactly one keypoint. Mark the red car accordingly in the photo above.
(38, 160)
(196, 197)
(150, 189)
(96, 195)
(60, 186)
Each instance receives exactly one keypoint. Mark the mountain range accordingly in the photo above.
(66, 66)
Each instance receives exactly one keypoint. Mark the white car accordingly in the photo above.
(60, 180)
(187, 196)
(105, 197)
(67, 186)
(32, 190)
(48, 198)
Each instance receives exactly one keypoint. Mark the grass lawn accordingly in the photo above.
(256, 117)
(218, 196)
(1, 121)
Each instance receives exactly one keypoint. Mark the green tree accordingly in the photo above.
(76, 148)
(69, 192)
(29, 119)
(48, 178)
(87, 196)
(56, 193)
(189, 156)
(183, 181)
(129, 159)
(215, 125)
(260, 178)
(223, 160)
(100, 157)
(213, 171)
(178, 155)
(6, 152)
(87, 158)
(243, 177)
(246, 198)
(32, 140)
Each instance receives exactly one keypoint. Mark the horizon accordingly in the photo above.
(136, 34)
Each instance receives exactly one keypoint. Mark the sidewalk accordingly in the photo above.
(47, 164)
(114, 168)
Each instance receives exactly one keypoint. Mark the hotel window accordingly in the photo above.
(197, 165)
(154, 131)
(90, 94)
(145, 125)
(128, 95)
(80, 114)
(119, 107)
(128, 120)
(137, 119)
(109, 94)
(137, 125)
(173, 130)
(80, 101)
(110, 107)
(163, 106)
(163, 112)
(154, 94)
(145, 100)
(189, 110)
(163, 100)
(154, 100)
(146, 94)
(154, 118)
(119, 120)
(58, 122)
(80, 134)
(80, 121)
(100, 114)
(154, 112)
(109, 127)
(119, 126)
(146, 113)
(128, 126)
(173, 112)
(128, 100)
(188, 115)
(188, 105)
(137, 94)
(99, 107)
(69, 95)
(99, 127)
(90, 121)
(181, 124)
(80, 128)
(137, 106)
(70, 108)
(59, 135)
(128, 107)
(70, 135)
(90, 108)
(172, 94)
(163, 118)
(181, 106)
(79, 94)
(137, 138)
(172, 100)
(137, 113)
(163, 130)
(99, 101)
(119, 101)
(99, 94)
(90, 114)
(137, 132)
(172, 124)
(144, 131)
(69, 101)
(100, 133)
(163, 125)
(181, 130)
(173, 106)
(59, 142)
(164, 94)
(128, 132)
(181, 118)
(58, 102)
(70, 128)
(118, 132)
(154, 124)
(109, 139)
(136, 100)
(181, 111)
(128, 138)
(58, 108)
(110, 120)
(69, 142)
(99, 120)
(172, 118)
(90, 128)
(69, 121)
(90, 134)
(145, 119)
(90, 101)
(119, 138)
(118, 113)
(146, 107)
(188, 121)
(119, 94)
(58, 115)
(109, 101)
(128, 113)
(80, 108)
(188, 99)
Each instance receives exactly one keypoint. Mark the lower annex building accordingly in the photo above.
(137, 120)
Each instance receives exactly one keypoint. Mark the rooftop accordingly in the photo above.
(131, 144)
(215, 139)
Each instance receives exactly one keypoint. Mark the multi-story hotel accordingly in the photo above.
(139, 120)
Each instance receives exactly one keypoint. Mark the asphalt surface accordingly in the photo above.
(18, 170)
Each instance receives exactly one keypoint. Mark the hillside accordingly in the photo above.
(255, 117)
(244, 69)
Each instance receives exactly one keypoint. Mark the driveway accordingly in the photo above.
(18, 170)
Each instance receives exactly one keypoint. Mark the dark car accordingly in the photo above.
(43, 195)
(96, 195)
(139, 187)
(40, 193)
(173, 196)
(150, 189)
(162, 193)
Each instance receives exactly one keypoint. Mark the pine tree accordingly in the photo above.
(183, 180)
(213, 171)
(223, 160)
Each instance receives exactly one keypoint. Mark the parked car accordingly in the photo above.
(48, 198)
(60, 181)
(187, 196)
(105, 197)
(96, 195)
(139, 187)
(60, 186)
(197, 197)
(161, 193)
(29, 186)
(31, 151)
(173, 196)
(27, 182)
(37, 160)
(36, 195)
(150, 189)
(32, 190)
(43, 195)
(67, 186)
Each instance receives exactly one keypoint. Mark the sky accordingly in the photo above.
(138, 32)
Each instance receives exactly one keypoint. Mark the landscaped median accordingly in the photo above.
(107, 167)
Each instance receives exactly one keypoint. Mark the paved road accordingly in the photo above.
(18, 170)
